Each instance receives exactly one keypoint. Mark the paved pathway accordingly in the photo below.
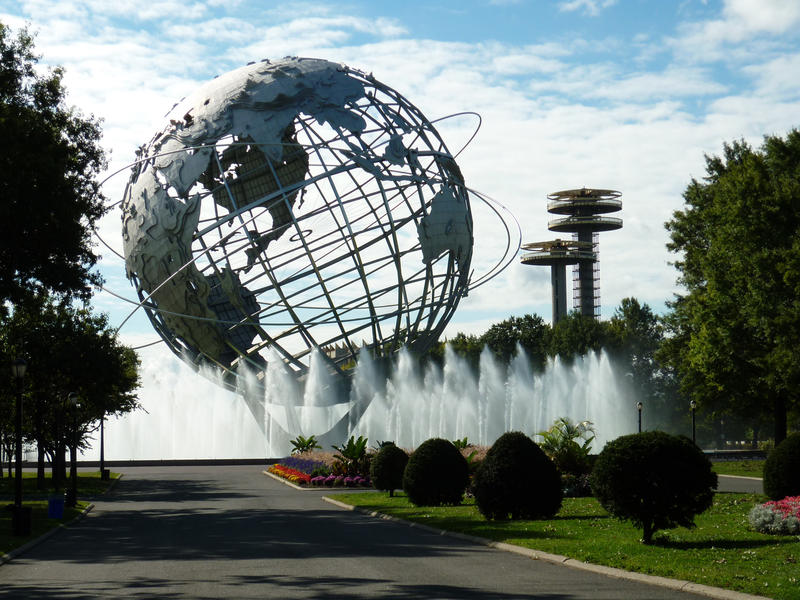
(231, 532)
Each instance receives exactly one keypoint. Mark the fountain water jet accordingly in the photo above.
(412, 404)
(400, 402)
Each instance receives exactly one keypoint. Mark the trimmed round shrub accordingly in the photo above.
(517, 480)
(654, 480)
(436, 474)
(782, 469)
(386, 470)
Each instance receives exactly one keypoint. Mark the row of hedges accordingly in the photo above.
(652, 479)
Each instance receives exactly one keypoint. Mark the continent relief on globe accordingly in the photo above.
(256, 108)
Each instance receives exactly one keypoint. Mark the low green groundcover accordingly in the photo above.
(722, 551)
(40, 523)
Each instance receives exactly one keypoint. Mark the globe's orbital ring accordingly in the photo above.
(502, 263)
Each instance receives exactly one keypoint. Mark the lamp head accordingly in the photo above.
(18, 368)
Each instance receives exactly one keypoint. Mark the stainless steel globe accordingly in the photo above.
(296, 205)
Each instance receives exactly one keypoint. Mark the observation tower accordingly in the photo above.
(557, 254)
(584, 217)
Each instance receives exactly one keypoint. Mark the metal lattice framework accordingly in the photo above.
(296, 205)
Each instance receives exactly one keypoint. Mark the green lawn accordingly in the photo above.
(721, 551)
(743, 468)
(89, 484)
(40, 523)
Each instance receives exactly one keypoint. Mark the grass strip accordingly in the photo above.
(40, 523)
(722, 551)
(742, 468)
(89, 484)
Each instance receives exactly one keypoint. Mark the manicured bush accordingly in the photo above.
(386, 469)
(436, 474)
(782, 469)
(517, 480)
(654, 480)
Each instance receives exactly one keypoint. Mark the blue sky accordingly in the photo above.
(620, 94)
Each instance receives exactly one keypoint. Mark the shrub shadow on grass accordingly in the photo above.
(721, 544)
(495, 530)
(579, 517)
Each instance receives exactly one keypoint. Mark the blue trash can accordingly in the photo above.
(55, 507)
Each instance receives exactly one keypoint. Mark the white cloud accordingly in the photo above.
(555, 115)
(589, 7)
(741, 22)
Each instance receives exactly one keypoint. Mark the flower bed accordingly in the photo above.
(314, 469)
(340, 481)
(781, 516)
(290, 474)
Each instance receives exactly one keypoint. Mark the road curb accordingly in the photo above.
(4, 558)
(675, 584)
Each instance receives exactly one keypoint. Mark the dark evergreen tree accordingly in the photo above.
(49, 197)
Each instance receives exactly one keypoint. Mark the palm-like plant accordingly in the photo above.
(568, 444)
(304, 444)
(352, 456)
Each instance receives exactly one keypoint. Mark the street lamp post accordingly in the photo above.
(72, 493)
(693, 406)
(639, 408)
(21, 523)
(104, 474)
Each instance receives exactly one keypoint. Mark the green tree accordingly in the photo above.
(636, 337)
(49, 197)
(576, 335)
(529, 331)
(69, 350)
(738, 324)
(467, 346)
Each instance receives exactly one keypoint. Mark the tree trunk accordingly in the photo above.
(40, 479)
(59, 465)
(780, 419)
(647, 533)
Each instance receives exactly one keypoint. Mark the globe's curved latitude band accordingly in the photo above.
(296, 205)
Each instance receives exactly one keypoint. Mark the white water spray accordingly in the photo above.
(413, 405)
(191, 418)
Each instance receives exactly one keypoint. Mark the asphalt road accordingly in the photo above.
(740, 485)
(231, 532)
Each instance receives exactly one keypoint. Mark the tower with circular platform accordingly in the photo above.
(582, 213)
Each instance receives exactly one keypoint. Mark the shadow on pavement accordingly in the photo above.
(318, 588)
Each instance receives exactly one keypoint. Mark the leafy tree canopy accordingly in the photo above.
(530, 332)
(69, 350)
(736, 329)
(49, 198)
(576, 335)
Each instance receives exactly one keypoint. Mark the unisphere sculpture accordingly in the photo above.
(295, 205)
